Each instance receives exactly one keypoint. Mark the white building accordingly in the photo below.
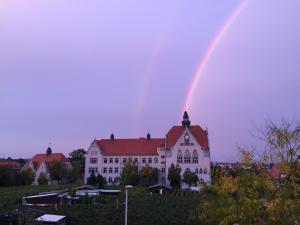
(186, 145)
(40, 164)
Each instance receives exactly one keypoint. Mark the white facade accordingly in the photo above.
(110, 167)
(189, 155)
(187, 152)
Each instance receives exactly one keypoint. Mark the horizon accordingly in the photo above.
(71, 72)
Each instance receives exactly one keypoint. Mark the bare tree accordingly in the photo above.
(282, 144)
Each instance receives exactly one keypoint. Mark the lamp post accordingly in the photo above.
(126, 201)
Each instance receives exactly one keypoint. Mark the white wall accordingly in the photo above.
(203, 158)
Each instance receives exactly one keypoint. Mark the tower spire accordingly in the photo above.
(186, 121)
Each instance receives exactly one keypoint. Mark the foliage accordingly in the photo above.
(10, 197)
(282, 145)
(5, 177)
(74, 174)
(92, 180)
(148, 176)
(174, 176)
(9, 178)
(190, 178)
(248, 195)
(130, 175)
(42, 179)
(57, 171)
(100, 181)
(29, 176)
(77, 158)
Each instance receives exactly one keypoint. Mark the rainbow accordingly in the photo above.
(208, 53)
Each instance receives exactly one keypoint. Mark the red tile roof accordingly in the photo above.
(10, 164)
(48, 159)
(130, 147)
(176, 131)
(275, 171)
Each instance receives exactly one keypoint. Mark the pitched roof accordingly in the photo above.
(10, 164)
(176, 131)
(140, 146)
(48, 159)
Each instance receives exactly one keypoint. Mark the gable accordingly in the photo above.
(176, 132)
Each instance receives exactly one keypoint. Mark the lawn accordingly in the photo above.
(144, 208)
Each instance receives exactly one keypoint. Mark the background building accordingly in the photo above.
(41, 163)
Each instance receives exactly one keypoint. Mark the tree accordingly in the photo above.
(78, 157)
(74, 175)
(282, 145)
(248, 194)
(28, 176)
(57, 171)
(5, 177)
(100, 181)
(174, 176)
(130, 175)
(190, 178)
(42, 179)
(92, 180)
(148, 176)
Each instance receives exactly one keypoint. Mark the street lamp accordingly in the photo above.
(126, 201)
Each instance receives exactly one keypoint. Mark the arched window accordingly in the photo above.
(195, 156)
(200, 171)
(109, 180)
(187, 157)
(187, 170)
(205, 171)
(179, 156)
(196, 170)
(186, 139)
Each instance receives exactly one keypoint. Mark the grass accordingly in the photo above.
(145, 208)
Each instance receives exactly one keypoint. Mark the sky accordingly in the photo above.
(72, 71)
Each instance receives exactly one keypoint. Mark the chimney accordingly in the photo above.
(112, 137)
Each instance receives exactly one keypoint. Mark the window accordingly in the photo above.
(155, 160)
(162, 156)
(135, 160)
(179, 156)
(195, 157)
(116, 180)
(105, 160)
(130, 159)
(200, 171)
(110, 169)
(116, 160)
(186, 139)
(93, 153)
(116, 170)
(149, 160)
(144, 160)
(205, 171)
(163, 170)
(196, 171)
(124, 160)
(111, 160)
(93, 170)
(109, 180)
(93, 160)
(104, 170)
(187, 157)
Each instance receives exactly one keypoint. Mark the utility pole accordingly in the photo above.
(126, 202)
